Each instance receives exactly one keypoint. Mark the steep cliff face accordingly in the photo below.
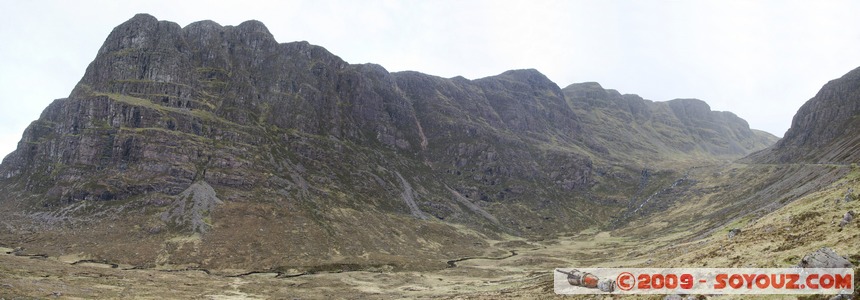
(160, 99)
(824, 130)
(627, 127)
(266, 155)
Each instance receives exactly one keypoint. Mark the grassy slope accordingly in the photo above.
(781, 238)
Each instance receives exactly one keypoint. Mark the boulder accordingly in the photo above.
(824, 258)
(847, 218)
(734, 232)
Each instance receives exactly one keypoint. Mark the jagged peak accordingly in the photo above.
(254, 26)
(614, 93)
(374, 70)
(204, 24)
(144, 21)
(137, 32)
(635, 97)
(688, 102)
(373, 67)
(521, 72)
(690, 109)
(590, 90)
(312, 51)
(530, 75)
(249, 26)
(585, 85)
(459, 78)
(143, 25)
(699, 105)
(143, 17)
(412, 73)
(591, 86)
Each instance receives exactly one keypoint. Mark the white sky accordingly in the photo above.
(758, 59)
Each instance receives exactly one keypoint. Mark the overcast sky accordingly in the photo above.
(759, 59)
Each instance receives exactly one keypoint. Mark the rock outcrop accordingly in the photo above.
(846, 219)
(824, 258)
(192, 209)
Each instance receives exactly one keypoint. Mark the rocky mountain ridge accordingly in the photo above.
(661, 130)
(222, 134)
(824, 128)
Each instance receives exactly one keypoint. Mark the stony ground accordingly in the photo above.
(516, 269)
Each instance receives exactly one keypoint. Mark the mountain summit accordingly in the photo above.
(218, 147)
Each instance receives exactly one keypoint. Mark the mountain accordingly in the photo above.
(824, 130)
(660, 131)
(217, 147)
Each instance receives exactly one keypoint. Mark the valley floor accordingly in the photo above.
(522, 269)
(510, 268)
